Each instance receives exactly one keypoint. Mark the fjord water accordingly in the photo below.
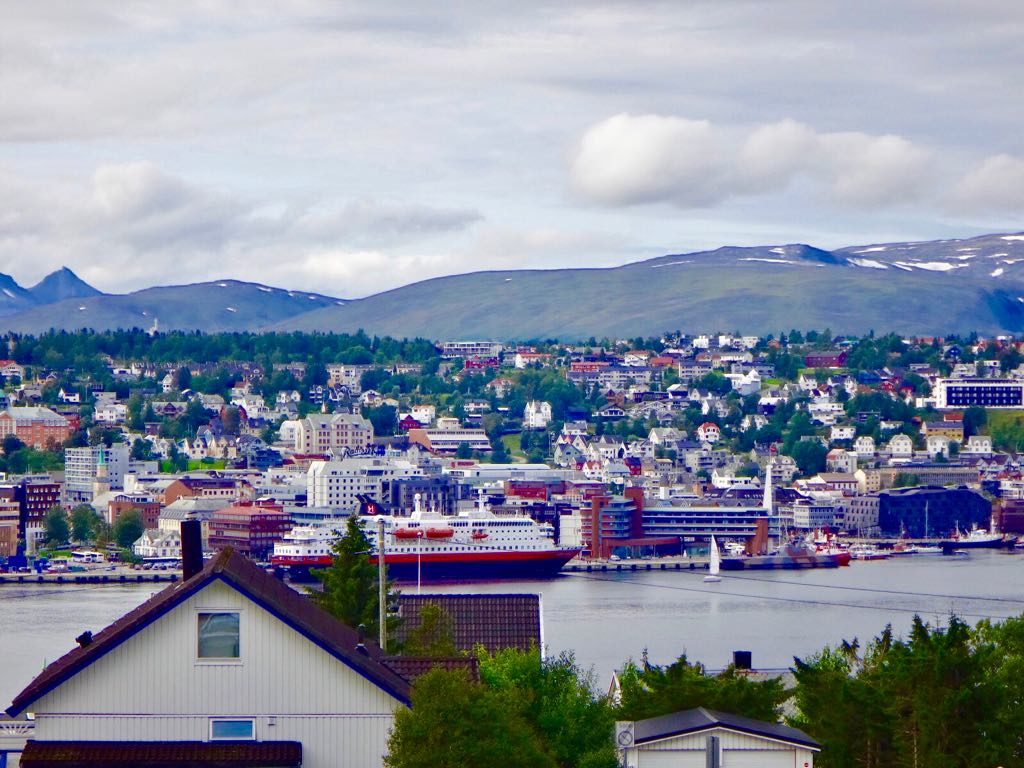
(607, 618)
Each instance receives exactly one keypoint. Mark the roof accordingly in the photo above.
(700, 719)
(493, 621)
(411, 667)
(265, 590)
(162, 754)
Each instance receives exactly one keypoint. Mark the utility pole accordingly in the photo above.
(382, 595)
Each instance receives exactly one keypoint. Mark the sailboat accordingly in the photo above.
(715, 564)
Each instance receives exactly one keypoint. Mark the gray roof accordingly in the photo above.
(700, 719)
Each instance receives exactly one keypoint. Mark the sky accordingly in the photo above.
(350, 148)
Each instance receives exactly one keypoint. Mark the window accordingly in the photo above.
(218, 635)
(239, 730)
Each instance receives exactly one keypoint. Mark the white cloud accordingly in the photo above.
(872, 171)
(628, 159)
(136, 225)
(997, 184)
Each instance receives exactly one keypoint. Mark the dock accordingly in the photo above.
(63, 579)
(623, 566)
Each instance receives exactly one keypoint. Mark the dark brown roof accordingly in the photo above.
(700, 719)
(162, 754)
(493, 621)
(252, 581)
(411, 667)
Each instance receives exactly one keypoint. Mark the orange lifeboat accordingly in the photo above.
(408, 533)
(478, 535)
(440, 533)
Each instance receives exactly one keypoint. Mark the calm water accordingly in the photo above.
(608, 618)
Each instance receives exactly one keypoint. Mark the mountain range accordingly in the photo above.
(931, 287)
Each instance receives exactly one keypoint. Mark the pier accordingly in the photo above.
(623, 566)
(63, 579)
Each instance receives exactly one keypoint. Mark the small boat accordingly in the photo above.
(478, 535)
(714, 565)
(867, 552)
(976, 538)
(444, 532)
(408, 533)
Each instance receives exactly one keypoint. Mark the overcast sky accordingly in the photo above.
(350, 148)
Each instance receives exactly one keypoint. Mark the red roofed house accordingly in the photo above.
(228, 668)
(709, 432)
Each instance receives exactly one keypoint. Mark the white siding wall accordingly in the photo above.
(739, 750)
(153, 687)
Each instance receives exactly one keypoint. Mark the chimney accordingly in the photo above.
(191, 548)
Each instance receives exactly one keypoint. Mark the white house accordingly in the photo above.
(229, 667)
(937, 444)
(901, 447)
(842, 433)
(424, 414)
(111, 413)
(864, 446)
(696, 738)
(980, 445)
(537, 415)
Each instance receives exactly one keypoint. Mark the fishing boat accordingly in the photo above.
(795, 554)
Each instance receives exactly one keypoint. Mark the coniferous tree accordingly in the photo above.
(350, 583)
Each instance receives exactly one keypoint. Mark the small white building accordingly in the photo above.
(537, 415)
(702, 738)
(901, 447)
(864, 446)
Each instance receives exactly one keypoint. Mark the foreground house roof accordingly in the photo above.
(268, 592)
(700, 719)
(493, 621)
(162, 754)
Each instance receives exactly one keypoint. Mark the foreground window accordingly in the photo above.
(218, 635)
(239, 730)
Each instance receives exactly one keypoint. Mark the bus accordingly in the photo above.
(86, 557)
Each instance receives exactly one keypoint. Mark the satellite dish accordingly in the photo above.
(624, 733)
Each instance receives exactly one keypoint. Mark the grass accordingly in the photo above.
(999, 419)
(512, 445)
(193, 465)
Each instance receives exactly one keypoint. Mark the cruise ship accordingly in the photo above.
(429, 546)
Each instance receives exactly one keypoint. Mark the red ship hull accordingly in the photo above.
(441, 566)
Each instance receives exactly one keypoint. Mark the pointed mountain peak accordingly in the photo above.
(60, 285)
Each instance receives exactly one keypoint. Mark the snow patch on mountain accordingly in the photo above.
(869, 263)
(931, 266)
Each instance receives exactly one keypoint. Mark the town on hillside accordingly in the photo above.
(246, 465)
(634, 448)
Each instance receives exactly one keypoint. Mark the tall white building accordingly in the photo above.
(336, 484)
(84, 468)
